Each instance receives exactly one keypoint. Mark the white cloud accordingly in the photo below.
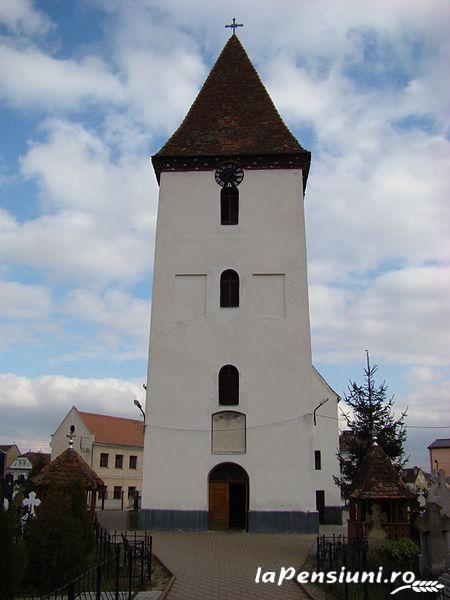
(101, 210)
(29, 77)
(20, 16)
(402, 316)
(20, 301)
(121, 322)
(32, 409)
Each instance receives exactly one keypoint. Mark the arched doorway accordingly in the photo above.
(228, 497)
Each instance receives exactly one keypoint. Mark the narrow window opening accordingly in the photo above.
(318, 460)
(229, 289)
(229, 206)
(228, 385)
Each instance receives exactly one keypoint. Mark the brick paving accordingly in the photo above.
(222, 565)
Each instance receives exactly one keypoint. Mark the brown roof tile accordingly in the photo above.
(378, 478)
(114, 430)
(233, 115)
(66, 467)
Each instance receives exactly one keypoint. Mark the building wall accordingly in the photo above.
(82, 442)
(90, 450)
(267, 338)
(442, 455)
(326, 440)
(112, 476)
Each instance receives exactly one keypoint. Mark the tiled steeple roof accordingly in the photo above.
(378, 478)
(232, 116)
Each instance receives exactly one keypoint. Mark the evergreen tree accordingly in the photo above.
(373, 420)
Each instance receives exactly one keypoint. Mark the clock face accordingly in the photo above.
(229, 174)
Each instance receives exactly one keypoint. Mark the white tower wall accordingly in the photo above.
(267, 338)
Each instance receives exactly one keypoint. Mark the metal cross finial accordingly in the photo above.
(234, 25)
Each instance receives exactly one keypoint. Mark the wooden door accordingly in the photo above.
(218, 505)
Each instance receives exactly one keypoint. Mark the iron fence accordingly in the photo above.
(123, 566)
(344, 559)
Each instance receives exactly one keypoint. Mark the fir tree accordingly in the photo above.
(373, 421)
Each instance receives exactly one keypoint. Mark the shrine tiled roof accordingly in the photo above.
(377, 478)
(114, 430)
(233, 116)
(66, 467)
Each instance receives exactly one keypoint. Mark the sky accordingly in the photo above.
(90, 89)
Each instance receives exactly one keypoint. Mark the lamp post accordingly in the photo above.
(138, 404)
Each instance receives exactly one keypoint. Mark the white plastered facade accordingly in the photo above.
(267, 338)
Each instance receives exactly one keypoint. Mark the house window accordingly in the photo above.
(104, 459)
(229, 289)
(229, 206)
(228, 385)
(131, 491)
(133, 462)
(317, 460)
(119, 461)
(117, 492)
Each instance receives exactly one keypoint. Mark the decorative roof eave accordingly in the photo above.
(382, 495)
(297, 160)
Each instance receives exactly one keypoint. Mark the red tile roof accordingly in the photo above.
(114, 430)
(377, 478)
(233, 115)
(66, 467)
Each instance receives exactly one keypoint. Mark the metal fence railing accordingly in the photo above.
(344, 559)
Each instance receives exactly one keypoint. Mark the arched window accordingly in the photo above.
(228, 385)
(229, 288)
(229, 206)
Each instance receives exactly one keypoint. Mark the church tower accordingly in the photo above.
(230, 438)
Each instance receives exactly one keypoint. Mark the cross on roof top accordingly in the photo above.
(234, 25)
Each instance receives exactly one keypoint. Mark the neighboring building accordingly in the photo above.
(231, 389)
(24, 464)
(8, 454)
(112, 447)
(440, 455)
(416, 479)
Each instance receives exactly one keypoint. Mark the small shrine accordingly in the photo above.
(379, 500)
(64, 469)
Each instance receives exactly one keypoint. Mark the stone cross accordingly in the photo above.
(439, 492)
(30, 503)
(433, 527)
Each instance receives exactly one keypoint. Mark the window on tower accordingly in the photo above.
(228, 385)
(229, 206)
(229, 289)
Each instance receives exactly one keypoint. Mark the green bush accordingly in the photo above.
(60, 540)
(397, 555)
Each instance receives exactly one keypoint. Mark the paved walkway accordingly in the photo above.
(222, 565)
